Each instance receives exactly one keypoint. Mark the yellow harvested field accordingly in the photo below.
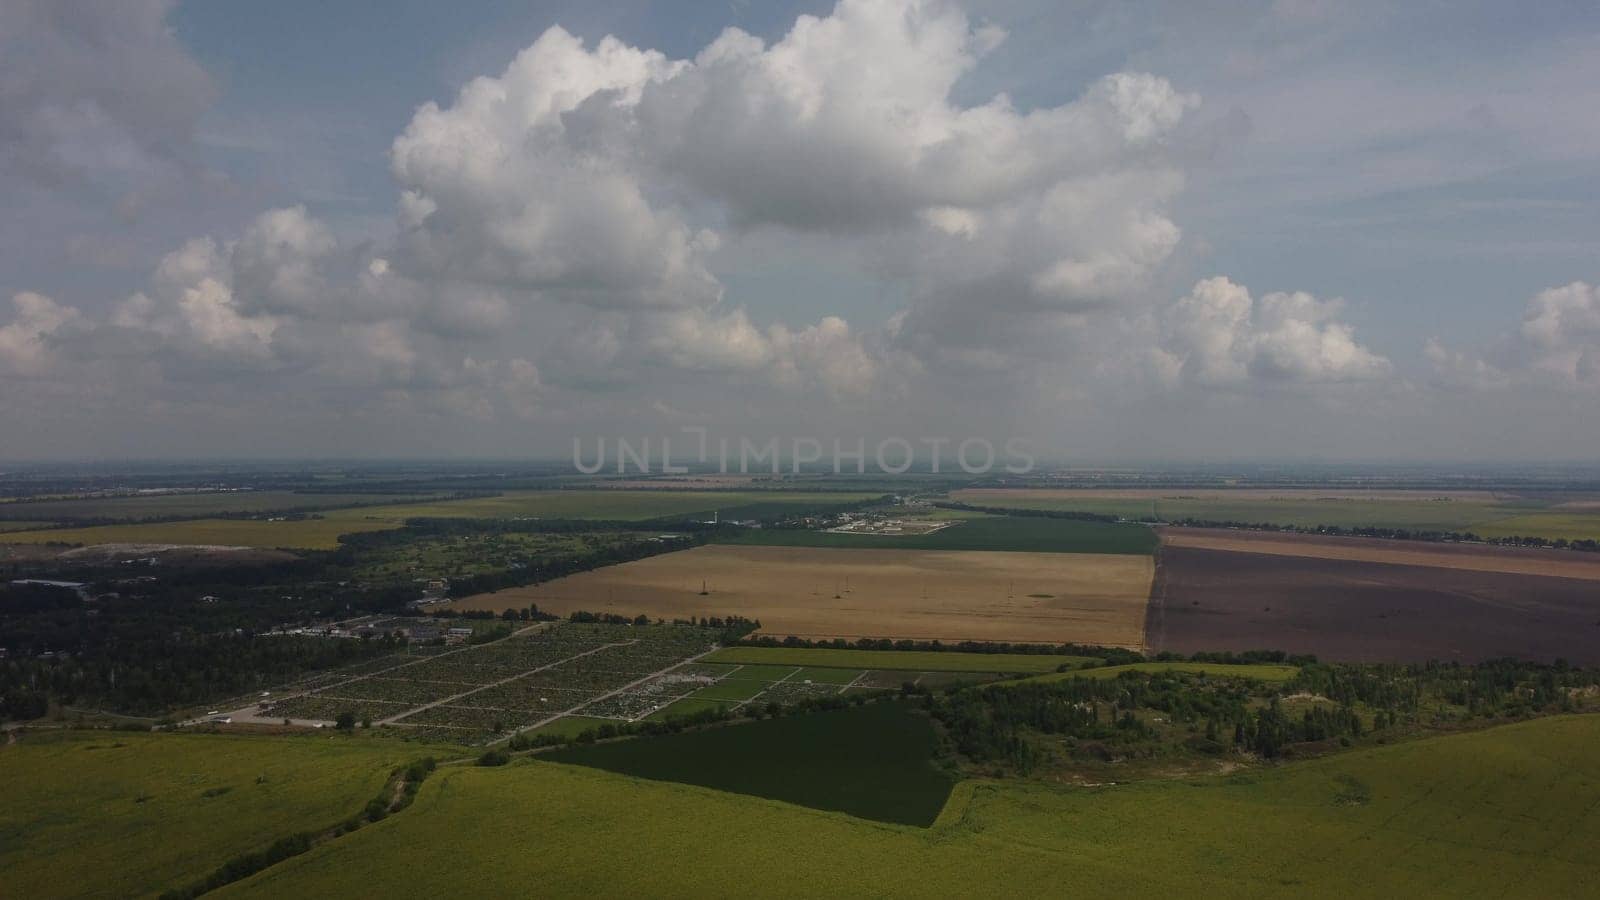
(1468, 557)
(826, 593)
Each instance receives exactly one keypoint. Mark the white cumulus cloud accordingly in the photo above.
(1219, 335)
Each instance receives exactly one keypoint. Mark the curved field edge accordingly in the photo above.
(896, 660)
(1506, 810)
(874, 761)
(136, 814)
(1254, 671)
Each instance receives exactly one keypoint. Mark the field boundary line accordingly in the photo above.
(770, 685)
(627, 687)
(247, 712)
(446, 701)
(859, 675)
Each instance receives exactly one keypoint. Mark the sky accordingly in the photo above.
(1287, 229)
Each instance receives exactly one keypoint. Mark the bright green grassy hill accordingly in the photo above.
(1510, 811)
(73, 824)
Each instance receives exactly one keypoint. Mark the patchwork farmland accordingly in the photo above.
(1057, 598)
(321, 531)
(478, 692)
(563, 678)
(1491, 514)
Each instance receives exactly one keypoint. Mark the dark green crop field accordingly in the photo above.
(872, 761)
(1026, 535)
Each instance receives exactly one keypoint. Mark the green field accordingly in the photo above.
(304, 534)
(873, 761)
(623, 505)
(822, 675)
(686, 707)
(731, 689)
(1483, 515)
(1254, 672)
(1508, 811)
(907, 660)
(20, 525)
(322, 533)
(756, 669)
(1020, 534)
(1552, 525)
(119, 814)
(199, 505)
(568, 726)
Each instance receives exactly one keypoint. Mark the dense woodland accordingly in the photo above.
(144, 640)
(1152, 715)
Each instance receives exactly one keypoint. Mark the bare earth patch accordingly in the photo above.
(826, 593)
(1357, 610)
(981, 496)
(1468, 557)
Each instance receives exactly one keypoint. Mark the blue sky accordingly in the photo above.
(1348, 215)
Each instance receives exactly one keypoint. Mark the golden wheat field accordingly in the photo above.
(917, 594)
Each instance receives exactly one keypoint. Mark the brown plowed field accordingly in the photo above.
(1363, 611)
(825, 593)
(1475, 557)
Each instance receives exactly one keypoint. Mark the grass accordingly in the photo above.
(908, 660)
(151, 506)
(819, 675)
(756, 669)
(1553, 525)
(125, 814)
(1257, 672)
(569, 726)
(1505, 811)
(621, 505)
(730, 690)
(1019, 534)
(873, 761)
(687, 707)
(305, 534)
(323, 533)
(1528, 517)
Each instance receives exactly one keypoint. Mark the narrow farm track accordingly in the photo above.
(485, 687)
(248, 713)
(606, 696)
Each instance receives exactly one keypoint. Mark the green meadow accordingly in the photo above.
(322, 533)
(303, 534)
(122, 814)
(1256, 672)
(908, 660)
(873, 761)
(193, 505)
(1508, 811)
(1486, 516)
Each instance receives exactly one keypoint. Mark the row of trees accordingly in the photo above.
(1110, 717)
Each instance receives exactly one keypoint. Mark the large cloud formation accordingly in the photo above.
(561, 225)
(1557, 346)
(1219, 335)
(598, 178)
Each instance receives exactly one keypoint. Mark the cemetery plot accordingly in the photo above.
(474, 693)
